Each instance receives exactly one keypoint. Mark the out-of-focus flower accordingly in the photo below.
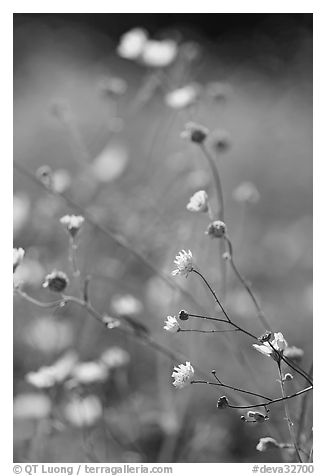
(49, 336)
(219, 140)
(159, 54)
(222, 402)
(184, 263)
(218, 91)
(189, 51)
(18, 256)
(47, 377)
(171, 324)
(246, 192)
(132, 43)
(110, 163)
(126, 305)
(293, 353)
(83, 411)
(115, 357)
(183, 97)
(21, 209)
(257, 416)
(216, 229)
(111, 322)
(198, 202)
(182, 375)
(113, 86)
(194, 132)
(72, 223)
(31, 405)
(61, 180)
(56, 281)
(267, 443)
(89, 372)
(278, 346)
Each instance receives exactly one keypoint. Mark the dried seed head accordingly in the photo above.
(222, 402)
(183, 315)
(216, 229)
(56, 281)
(195, 132)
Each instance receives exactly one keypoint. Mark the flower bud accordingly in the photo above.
(222, 403)
(195, 132)
(183, 315)
(257, 416)
(216, 229)
(266, 337)
(72, 223)
(56, 281)
(45, 176)
(267, 443)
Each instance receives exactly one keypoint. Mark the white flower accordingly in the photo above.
(115, 357)
(171, 325)
(47, 377)
(278, 345)
(31, 405)
(182, 375)
(184, 263)
(159, 54)
(126, 305)
(18, 255)
(90, 372)
(246, 192)
(132, 43)
(198, 202)
(73, 223)
(83, 411)
(182, 97)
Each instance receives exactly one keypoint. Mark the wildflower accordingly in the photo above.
(195, 132)
(216, 229)
(90, 372)
(246, 192)
(18, 255)
(182, 375)
(198, 202)
(56, 281)
(159, 54)
(132, 43)
(115, 357)
(257, 417)
(183, 97)
(73, 223)
(83, 411)
(220, 140)
(126, 305)
(293, 353)
(226, 256)
(183, 315)
(267, 443)
(47, 377)
(222, 402)
(184, 263)
(274, 348)
(171, 325)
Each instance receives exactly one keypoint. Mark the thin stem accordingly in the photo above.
(46, 305)
(287, 414)
(198, 316)
(222, 308)
(289, 363)
(244, 282)
(217, 180)
(303, 409)
(276, 400)
(232, 388)
(73, 257)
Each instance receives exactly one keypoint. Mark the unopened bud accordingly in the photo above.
(222, 402)
(183, 315)
(195, 132)
(266, 337)
(45, 176)
(216, 229)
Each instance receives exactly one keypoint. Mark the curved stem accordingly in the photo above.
(260, 312)
(217, 180)
(232, 388)
(287, 415)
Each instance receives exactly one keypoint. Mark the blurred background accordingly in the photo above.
(109, 129)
